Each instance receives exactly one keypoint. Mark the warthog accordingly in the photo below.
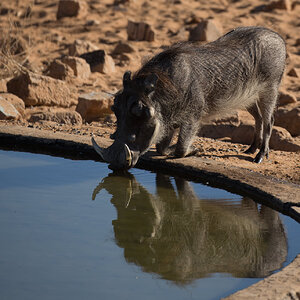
(188, 83)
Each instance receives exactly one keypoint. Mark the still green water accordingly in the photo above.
(74, 230)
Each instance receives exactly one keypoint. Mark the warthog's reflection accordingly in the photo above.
(182, 238)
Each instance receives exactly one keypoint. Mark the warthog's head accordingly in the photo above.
(137, 124)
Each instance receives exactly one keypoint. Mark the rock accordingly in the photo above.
(243, 134)
(17, 102)
(294, 72)
(8, 111)
(281, 4)
(80, 47)
(39, 90)
(288, 117)
(123, 48)
(118, 2)
(92, 23)
(79, 66)
(58, 70)
(140, 31)
(95, 105)
(60, 116)
(99, 61)
(282, 140)
(286, 98)
(208, 30)
(71, 8)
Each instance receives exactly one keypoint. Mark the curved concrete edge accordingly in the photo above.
(270, 191)
(284, 285)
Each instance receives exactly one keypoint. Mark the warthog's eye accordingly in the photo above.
(136, 109)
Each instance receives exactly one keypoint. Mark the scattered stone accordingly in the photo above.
(123, 48)
(208, 31)
(80, 47)
(286, 98)
(17, 102)
(193, 19)
(99, 61)
(5, 11)
(39, 90)
(57, 38)
(8, 111)
(288, 117)
(95, 105)
(24, 13)
(118, 2)
(79, 66)
(61, 117)
(59, 70)
(140, 31)
(92, 23)
(71, 8)
(294, 72)
(281, 4)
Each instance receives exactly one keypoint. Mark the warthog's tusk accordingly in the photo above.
(128, 155)
(97, 148)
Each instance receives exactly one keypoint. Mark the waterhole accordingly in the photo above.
(75, 230)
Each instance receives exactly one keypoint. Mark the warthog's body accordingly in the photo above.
(188, 83)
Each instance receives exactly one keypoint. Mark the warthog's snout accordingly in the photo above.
(118, 155)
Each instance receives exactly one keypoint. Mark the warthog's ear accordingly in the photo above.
(126, 78)
(150, 83)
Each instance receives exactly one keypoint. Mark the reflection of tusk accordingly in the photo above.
(97, 189)
(97, 148)
(128, 155)
(128, 194)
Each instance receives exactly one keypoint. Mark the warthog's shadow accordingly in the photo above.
(175, 234)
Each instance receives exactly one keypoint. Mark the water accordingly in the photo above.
(73, 230)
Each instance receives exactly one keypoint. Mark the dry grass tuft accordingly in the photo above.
(14, 46)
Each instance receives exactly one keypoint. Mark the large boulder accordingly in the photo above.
(58, 70)
(71, 8)
(280, 4)
(288, 117)
(95, 105)
(286, 98)
(207, 30)
(36, 90)
(140, 31)
(79, 66)
(79, 47)
(8, 111)
(17, 102)
(99, 61)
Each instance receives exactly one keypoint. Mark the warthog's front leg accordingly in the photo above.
(163, 147)
(186, 136)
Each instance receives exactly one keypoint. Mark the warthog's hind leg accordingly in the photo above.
(267, 104)
(258, 134)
